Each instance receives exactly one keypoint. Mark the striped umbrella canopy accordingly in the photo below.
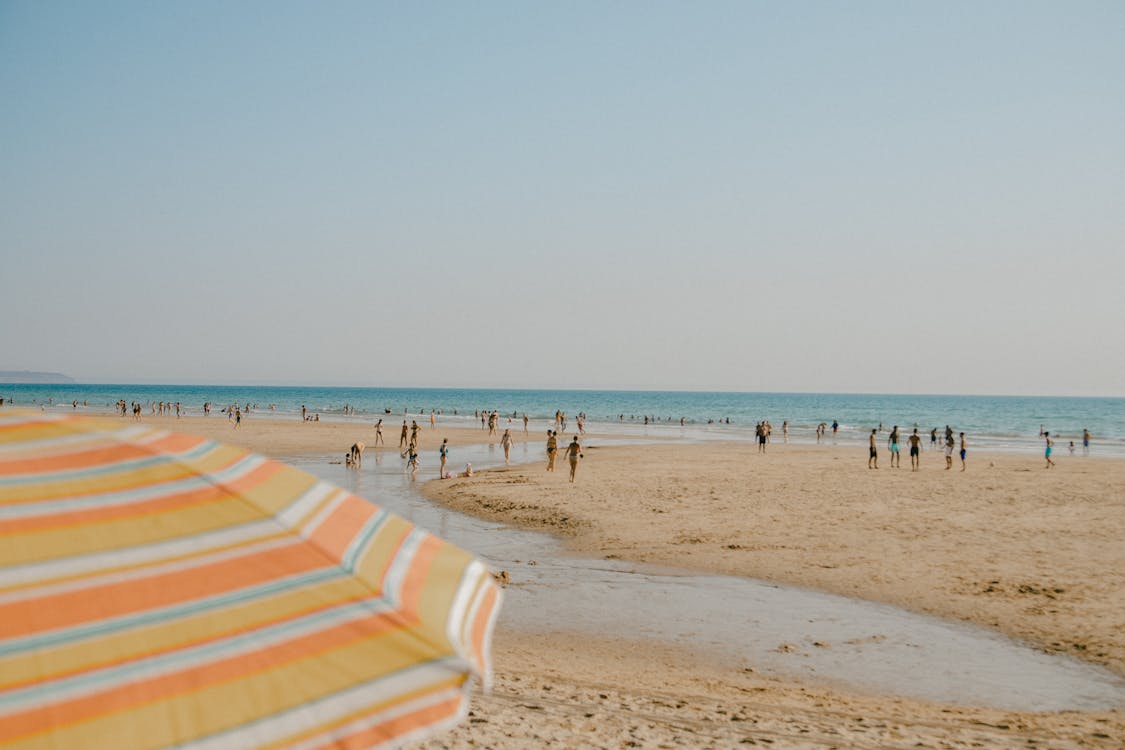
(160, 589)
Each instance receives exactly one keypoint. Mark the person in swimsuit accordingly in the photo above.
(443, 452)
(785, 430)
(1047, 453)
(896, 457)
(915, 441)
(933, 438)
(1085, 442)
(402, 435)
(873, 455)
(948, 451)
(573, 453)
(552, 449)
(506, 442)
(379, 433)
(963, 451)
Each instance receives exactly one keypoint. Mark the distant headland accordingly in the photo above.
(28, 376)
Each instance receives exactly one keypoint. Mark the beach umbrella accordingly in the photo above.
(159, 589)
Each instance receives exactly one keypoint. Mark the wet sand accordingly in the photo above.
(1033, 554)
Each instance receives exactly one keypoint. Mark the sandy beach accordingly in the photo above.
(1033, 554)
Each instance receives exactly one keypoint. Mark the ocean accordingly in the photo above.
(990, 422)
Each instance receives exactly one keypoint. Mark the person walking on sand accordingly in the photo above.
(552, 449)
(506, 442)
(237, 418)
(379, 433)
(963, 451)
(573, 453)
(892, 442)
(402, 435)
(1047, 452)
(443, 453)
(873, 454)
(915, 441)
(949, 450)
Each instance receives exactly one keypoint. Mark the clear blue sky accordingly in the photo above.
(887, 197)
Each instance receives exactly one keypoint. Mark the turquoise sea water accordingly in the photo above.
(1001, 422)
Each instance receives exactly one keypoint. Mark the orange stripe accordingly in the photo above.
(396, 727)
(123, 697)
(111, 600)
(480, 627)
(112, 453)
(420, 568)
(201, 496)
(336, 532)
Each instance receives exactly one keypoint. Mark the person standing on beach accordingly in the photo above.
(402, 435)
(1047, 452)
(573, 453)
(835, 429)
(785, 431)
(963, 451)
(1085, 442)
(506, 442)
(873, 454)
(524, 424)
(443, 452)
(915, 441)
(552, 449)
(237, 418)
(304, 413)
(949, 450)
(892, 443)
(433, 421)
(933, 438)
(379, 433)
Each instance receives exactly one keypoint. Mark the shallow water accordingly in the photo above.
(777, 630)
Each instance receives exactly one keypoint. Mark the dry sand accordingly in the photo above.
(1035, 554)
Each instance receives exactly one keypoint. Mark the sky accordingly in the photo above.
(874, 197)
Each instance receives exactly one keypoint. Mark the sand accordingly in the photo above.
(1034, 554)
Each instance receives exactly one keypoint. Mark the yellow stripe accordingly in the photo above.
(79, 657)
(126, 478)
(232, 704)
(38, 546)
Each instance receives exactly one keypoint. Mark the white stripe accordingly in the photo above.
(305, 504)
(455, 625)
(67, 566)
(400, 566)
(283, 725)
(125, 497)
(149, 571)
(309, 528)
(336, 735)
